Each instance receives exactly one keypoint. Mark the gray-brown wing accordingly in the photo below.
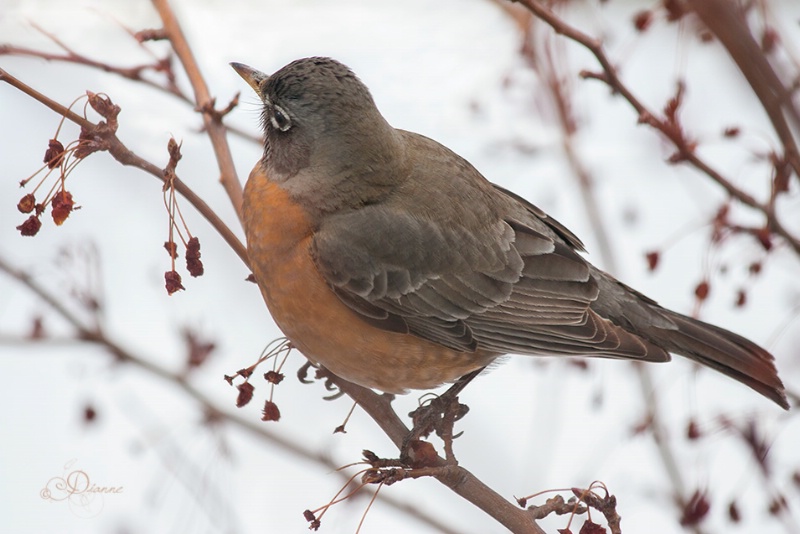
(411, 274)
(469, 265)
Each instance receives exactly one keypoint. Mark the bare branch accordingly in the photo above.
(458, 479)
(93, 334)
(725, 20)
(685, 152)
(205, 104)
(125, 156)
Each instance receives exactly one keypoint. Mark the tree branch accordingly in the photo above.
(122, 154)
(725, 19)
(459, 480)
(610, 77)
(205, 104)
(87, 334)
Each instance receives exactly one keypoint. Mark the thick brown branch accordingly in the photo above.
(458, 479)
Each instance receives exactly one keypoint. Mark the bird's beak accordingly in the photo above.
(253, 77)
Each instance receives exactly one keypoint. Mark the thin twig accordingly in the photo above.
(610, 77)
(205, 104)
(122, 154)
(130, 73)
(726, 21)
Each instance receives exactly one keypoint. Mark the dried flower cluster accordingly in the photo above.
(194, 265)
(245, 389)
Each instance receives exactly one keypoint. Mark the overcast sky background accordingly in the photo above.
(449, 70)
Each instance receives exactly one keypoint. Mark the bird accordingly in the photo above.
(391, 261)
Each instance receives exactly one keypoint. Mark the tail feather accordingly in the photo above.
(724, 351)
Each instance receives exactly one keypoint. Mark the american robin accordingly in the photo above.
(394, 263)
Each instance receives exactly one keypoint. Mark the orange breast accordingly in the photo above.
(279, 234)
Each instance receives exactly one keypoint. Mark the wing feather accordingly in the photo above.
(491, 271)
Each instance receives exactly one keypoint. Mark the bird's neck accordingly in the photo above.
(352, 171)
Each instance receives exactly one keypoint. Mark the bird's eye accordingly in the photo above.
(280, 119)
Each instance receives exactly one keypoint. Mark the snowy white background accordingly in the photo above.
(448, 69)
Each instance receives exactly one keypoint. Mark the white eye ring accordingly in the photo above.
(280, 119)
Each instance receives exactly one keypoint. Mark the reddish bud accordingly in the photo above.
(695, 509)
(721, 217)
(652, 260)
(376, 476)
(642, 426)
(693, 430)
(195, 267)
(245, 394)
(733, 512)
(755, 268)
(105, 108)
(26, 204)
(731, 131)
(674, 9)
(590, 527)
(193, 248)
(370, 456)
(37, 328)
(777, 505)
(31, 226)
(273, 377)
(174, 150)
(642, 20)
(701, 291)
(271, 412)
(89, 414)
(764, 238)
(86, 144)
(173, 282)
(676, 157)
(54, 154)
(251, 278)
(422, 454)
(522, 502)
(741, 298)
(578, 363)
(62, 205)
(172, 249)
(674, 103)
(314, 522)
(193, 263)
(769, 39)
(783, 171)
(198, 350)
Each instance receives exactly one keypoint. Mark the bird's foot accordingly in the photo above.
(438, 415)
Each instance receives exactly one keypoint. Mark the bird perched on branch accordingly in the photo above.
(391, 261)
